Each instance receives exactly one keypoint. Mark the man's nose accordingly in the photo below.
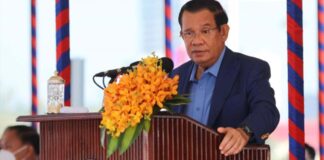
(197, 39)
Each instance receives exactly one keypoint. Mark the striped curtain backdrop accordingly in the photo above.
(168, 33)
(295, 80)
(34, 61)
(63, 62)
(321, 74)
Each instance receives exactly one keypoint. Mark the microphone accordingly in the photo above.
(167, 66)
(115, 72)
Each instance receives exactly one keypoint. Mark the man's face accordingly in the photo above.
(10, 141)
(204, 41)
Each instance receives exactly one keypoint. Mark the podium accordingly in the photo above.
(171, 137)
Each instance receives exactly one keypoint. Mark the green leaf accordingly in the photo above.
(177, 100)
(127, 139)
(112, 145)
(102, 136)
(168, 108)
(138, 131)
(147, 125)
(156, 109)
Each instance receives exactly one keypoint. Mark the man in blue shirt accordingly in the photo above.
(230, 92)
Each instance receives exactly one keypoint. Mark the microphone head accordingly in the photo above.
(134, 64)
(167, 64)
(100, 74)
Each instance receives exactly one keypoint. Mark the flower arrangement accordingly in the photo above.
(130, 102)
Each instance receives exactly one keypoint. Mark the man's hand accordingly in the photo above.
(234, 140)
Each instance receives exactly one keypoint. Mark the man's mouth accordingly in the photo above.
(198, 51)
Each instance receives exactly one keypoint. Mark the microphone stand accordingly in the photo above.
(112, 79)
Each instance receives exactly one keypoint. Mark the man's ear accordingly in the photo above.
(30, 148)
(224, 31)
(27, 152)
(30, 151)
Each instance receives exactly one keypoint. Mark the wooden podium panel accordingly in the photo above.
(171, 137)
(69, 136)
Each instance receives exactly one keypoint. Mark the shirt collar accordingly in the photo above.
(213, 70)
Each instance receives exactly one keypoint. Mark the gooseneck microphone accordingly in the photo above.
(115, 72)
(167, 66)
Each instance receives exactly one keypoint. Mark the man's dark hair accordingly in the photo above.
(310, 150)
(27, 135)
(213, 6)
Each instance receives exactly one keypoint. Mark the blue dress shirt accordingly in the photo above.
(201, 91)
